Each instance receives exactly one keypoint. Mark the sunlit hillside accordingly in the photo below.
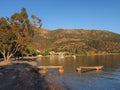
(76, 41)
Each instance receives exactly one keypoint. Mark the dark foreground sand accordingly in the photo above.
(23, 76)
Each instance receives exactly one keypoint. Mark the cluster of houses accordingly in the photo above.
(60, 54)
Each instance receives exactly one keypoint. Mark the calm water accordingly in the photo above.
(106, 79)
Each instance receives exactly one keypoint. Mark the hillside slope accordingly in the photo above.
(76, 41)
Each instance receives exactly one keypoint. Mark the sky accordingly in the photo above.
(69, 14)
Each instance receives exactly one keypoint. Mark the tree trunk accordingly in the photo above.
(6, 57)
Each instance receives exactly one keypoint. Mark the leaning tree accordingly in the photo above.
(15, 34)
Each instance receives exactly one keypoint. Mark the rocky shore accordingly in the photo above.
(24, 75)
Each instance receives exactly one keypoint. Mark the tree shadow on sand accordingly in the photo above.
(22, 76)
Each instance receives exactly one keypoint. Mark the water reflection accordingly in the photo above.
(70, 63)
(107, 79)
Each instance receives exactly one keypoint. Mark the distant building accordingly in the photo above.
(52, 53)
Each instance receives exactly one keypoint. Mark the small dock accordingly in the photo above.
(89, 68)
(44, 69)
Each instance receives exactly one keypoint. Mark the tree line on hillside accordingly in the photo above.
(17, 32)
(78, 41)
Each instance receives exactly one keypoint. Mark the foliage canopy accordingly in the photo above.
(15, 33)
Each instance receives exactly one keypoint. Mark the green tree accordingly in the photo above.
(32, 51)
(15, 34)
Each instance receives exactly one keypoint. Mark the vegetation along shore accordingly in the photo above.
(16, 33)
(19, 37)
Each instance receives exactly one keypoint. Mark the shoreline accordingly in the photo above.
(80, 55)
(24, 75)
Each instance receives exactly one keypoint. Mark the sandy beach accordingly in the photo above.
(24, 75)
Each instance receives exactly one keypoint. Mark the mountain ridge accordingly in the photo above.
(76, 40)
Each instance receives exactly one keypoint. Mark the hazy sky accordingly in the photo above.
(69, 14)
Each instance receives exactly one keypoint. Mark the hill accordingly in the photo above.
(76, 41)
